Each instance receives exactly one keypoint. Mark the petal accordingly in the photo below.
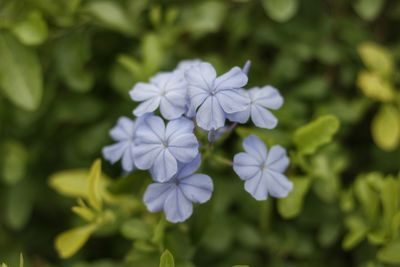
(151, 130)
(210, 115)
(197, 187)
(156, 194)
(257, 187)
(233, 79)
(128, 163)
(177, 207)
(186, 169)
(144, 91)
(147, 106)
(256, 148)
(178, 127)
(233, 100)
(202, 76)
(144, 155)
(268, 97)
(277, 159)
(165, 166)
(278, 184)
(114, 152)
(262, 117)
(184, 148)
(124, 130)
(240, 117)
(245, 166)
(172, 109)
(184, 65)
(246, 67)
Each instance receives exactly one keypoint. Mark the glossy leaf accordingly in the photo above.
(69, 242)
(291, 206)
(357, 231)
(390, 253)
(281, 10)
(167, 260)
(376, 58)
(94, 190)
(319, 132)
(20, 73)
(32, 30)
(375, 87)
(385, 128)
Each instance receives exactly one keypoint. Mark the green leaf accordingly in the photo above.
(368, 199)
(84, 212)
(375, 87)
(368, 9)
(20, 73)
(357, 231)
(376, 58)
(136, 229)
(385, 128)
(319, 132)
(390, 203)
(280, 10)
(152, 53)
(32, 30)
(390, 253)
(167, 260)
(291, 206)
(69, 242)
(19, 204)
(94, 189)
(13, 162)
(111, 15)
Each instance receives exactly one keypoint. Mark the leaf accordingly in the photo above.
(13, 162)
(69, 242)
(20, 73)
(357, 231)
(19, 204)
(136, 229)
(390, 253)
(376, 58)
(84, 212)
(32, 30)
(368, 9)
(152, 53)
(94, 192)
(291, 206)
(167, 260)
(385, 128)
(368, 199)
(319, 132)
(390, 203)
(111, 15)
(280, 10)
(375, 87)
(21, 260)
(75, 183)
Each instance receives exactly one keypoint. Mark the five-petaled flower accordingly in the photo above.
(176, 196)
(160, 147)
(261, 99)
(165, 90)
(262, 170)
(124, 134)
(213, 96)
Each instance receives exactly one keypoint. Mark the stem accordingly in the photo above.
(222, 160)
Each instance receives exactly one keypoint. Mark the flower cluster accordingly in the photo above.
(166, 145)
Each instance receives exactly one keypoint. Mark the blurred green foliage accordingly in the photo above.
(66, 67)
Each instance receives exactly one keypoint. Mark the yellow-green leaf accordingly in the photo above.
(32, 30)
(281, 10)
(368, 9)
(357, 232)
(84, 212)
(69, 242)
(21, 260)
(167, 260)
(94, 192)
(4, 265)
(319, 132)
(385, 128)
(291, 206)
(376, 58)
(375, 86)
(390, 202)
(390, 253)
(368, 199)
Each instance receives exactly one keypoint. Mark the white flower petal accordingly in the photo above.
(233, 79)
(176, 128)
(164, 167)
(277, 159)
(186, 169)
(177, 207)
(114, 152)
(151, 130)
(128, 163)
(262, 117)
(184, 148)
(144, 155)
(268, 97)
(233, 100)
(144, 91)
(172, 109)
(197, 187)
(155, 196)
(257, 187)
(246, 166)
(278, 184)
(210, 115)
(147, 106)
(255, 147)
(202, 76)
(124, 130)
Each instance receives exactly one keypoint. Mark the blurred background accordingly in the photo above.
(66, 67)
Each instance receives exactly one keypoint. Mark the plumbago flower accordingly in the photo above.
(262, 170)
(213, 97)
(165, 90)
(124, 133)
(176, 196)
(261, 99)
(160, 147)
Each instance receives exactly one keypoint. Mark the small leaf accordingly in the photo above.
(19, 204)
(376, 58)
(3, 265)
(136, 229)
(291, 206)
(69, 242)
(368, 199)
(84, 212)
(20, 73)
(13, 162)
(32, 30)
(390, 203)
(375, 87)
(152, 53)
(368, 9)
(319, 132)
(357, 231)
(21, 260)
(167, 260)
(94, 192)
(385, 128)
(390, 253)
(281, 10)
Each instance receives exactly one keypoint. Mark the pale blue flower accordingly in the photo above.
(176, 196)
(185, 65)
(261, 99)
(160, 147)
(124, 134)
(167, 90)
(214, 135)
(246, 67)
(213, 96)
(262, 170)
